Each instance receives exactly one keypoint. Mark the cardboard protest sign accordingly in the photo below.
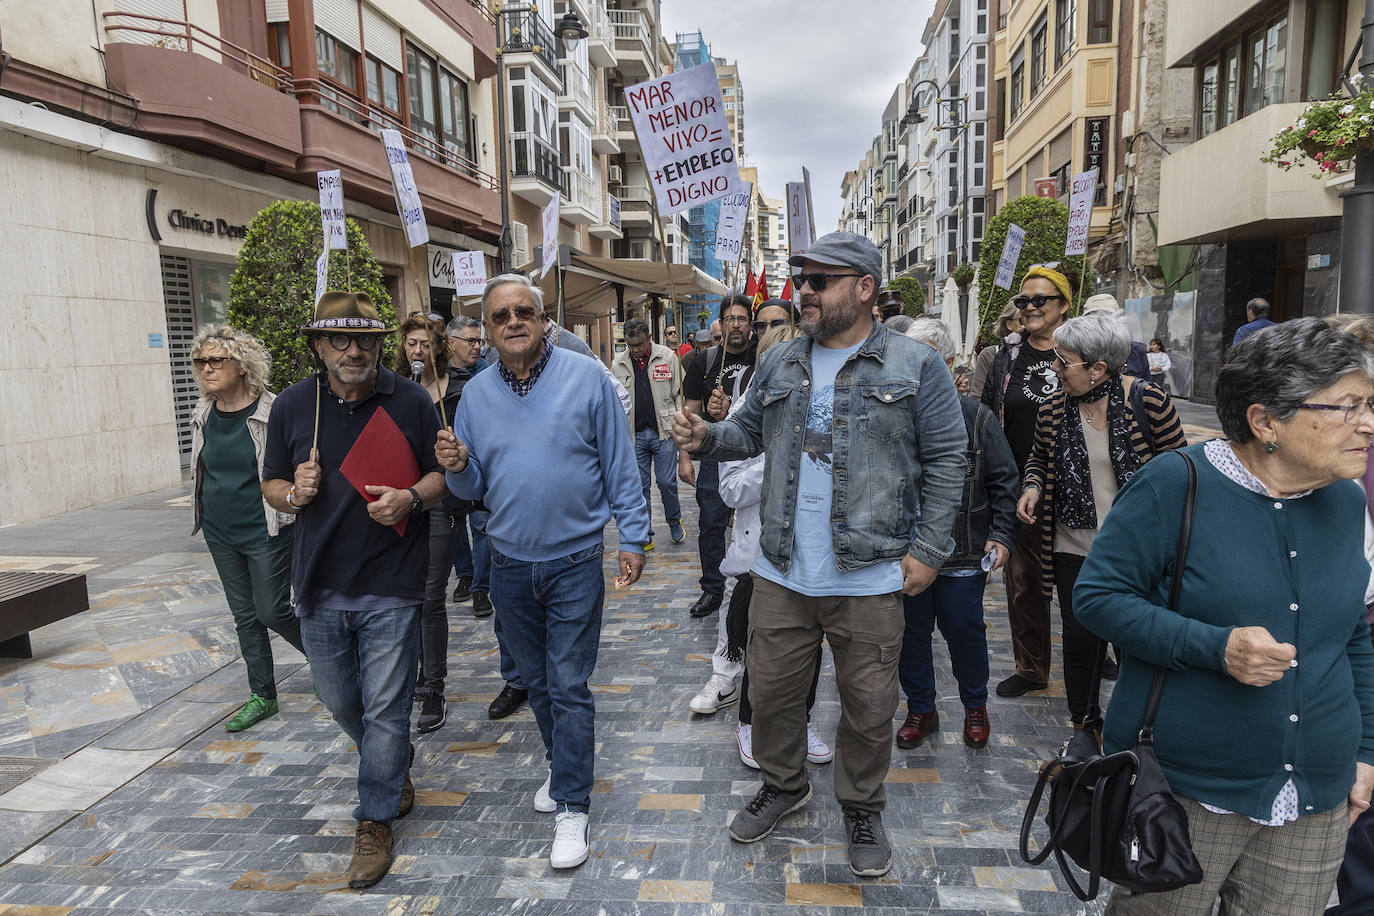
(680, 122)
(321, 274)
(1011, 253)
(549, 250)
(408, 205)
(1083, 185)
(332, 209)
(734, 215)
(799, 234)
(469, 273)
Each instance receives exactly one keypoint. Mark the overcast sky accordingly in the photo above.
(816, 75)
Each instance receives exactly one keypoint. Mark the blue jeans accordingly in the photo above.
(364, 666)
(552, 623)
(510, 672)
(462, 550)
(955, 603)
(711, 522)
(657, 459)
(481, 550)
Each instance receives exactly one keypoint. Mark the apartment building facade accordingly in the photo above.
(137, 144)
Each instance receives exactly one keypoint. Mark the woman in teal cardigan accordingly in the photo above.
(1266, 728)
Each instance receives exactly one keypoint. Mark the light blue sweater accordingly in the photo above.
(553, 466)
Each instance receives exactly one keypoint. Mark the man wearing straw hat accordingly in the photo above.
(350, 452)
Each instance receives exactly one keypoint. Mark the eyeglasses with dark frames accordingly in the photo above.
(1353, 412)
(818, 281)
(470, 341)
(1025, 302)
(522, 312)
(761, 327)
(365, 342)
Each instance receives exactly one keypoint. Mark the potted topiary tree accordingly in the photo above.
(272, 290)
(913, 296)
(1046, 222)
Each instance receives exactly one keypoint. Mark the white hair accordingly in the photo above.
(934, 332)
(536, 294)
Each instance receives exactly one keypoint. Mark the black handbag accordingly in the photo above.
(1113, 814)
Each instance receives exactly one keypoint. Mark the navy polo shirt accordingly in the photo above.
(341, 555)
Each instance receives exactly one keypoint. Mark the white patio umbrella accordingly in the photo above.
(949, 309)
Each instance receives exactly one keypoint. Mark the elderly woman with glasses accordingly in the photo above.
(1091, 437)
(1020, 380)
(1266, 729)
(249, 541)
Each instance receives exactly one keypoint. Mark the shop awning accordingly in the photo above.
(594, 286)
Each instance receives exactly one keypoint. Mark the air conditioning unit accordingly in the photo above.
(614, 174)
(520, 241)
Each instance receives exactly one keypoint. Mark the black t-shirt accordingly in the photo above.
(716, 368)
(339, 548)
(1032, 383)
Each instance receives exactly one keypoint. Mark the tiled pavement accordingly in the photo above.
(147, 806)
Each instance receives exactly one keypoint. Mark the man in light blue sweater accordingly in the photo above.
(543, 442)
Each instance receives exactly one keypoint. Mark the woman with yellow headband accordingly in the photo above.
(1021, 379)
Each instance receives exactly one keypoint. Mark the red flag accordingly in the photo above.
(787, 290)
(761, 293)
(751, 286)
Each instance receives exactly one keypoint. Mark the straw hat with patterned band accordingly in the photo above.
(346, 313)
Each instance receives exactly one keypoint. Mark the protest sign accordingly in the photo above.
(734, 215)
(1011, 253)
(680, 122)
(408, 205)
(469, 273)
(1083, 185)
(332, 209)
(799, 235)
(321, 274)
(549, 250)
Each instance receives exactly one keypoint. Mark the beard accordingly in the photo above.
(834, 319)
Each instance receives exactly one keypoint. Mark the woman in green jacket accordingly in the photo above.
(1266, 728)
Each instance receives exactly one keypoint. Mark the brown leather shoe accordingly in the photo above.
(915, 729)
(977, 728)
(371, 854)
(408, 790)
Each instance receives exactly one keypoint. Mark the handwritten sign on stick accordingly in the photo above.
(549, 224)
(408, 204)
(1011, 253)
(798, 218)
(734, 214)
(469, 273)
(332, 209)
(680, 122)
(1083, 185)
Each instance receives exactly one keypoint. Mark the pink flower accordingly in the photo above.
(1285, 163)
(1312, 133)
(1342, 141)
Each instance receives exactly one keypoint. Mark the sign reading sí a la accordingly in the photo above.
(680, 122)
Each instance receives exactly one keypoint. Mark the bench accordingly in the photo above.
(29, 600)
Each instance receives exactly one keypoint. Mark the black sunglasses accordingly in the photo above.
(761, 326)
(522, 312)
(818, 281)
(1025, 302)
(365, 342)
(213, 361)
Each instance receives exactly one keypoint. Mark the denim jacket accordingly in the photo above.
(988, 510)
(896, 422)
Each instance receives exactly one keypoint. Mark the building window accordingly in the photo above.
(1039, 40)
(1018, 82)
(338, 65)
(439, 108)
(1228, 92)
(1325, 47)
(1099, 22)
(383, 91)
(1066, 25)
(1266, 54)
(279, 43)
(1207, 98)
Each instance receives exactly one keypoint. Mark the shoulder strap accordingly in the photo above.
(1142, 418)
(711, 366)
(1185, 532)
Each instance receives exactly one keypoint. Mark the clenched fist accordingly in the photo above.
(307, 479)
(689, 430)
(451, 453)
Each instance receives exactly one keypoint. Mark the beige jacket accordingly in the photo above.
(665, 382)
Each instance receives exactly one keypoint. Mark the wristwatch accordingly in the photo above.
(416, 503)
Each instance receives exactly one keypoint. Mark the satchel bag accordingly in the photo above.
(1113, 814)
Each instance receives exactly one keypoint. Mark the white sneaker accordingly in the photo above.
(719, 691)
(744, 736)
(570, 840)
(543, 801)
(817, 751)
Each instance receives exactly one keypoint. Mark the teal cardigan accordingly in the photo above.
(1293, 566)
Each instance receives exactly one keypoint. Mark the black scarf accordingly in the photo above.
(1074, 506)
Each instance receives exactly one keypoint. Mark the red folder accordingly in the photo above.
(381, 456)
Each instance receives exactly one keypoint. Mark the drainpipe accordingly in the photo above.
(1357, 208)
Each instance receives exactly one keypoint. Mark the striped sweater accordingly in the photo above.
(1165, 429)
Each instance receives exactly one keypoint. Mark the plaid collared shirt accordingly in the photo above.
(522, 387)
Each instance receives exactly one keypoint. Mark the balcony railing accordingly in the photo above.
(373, 119)
(610, 210)
(179, 35)
(581, 192)
(638, 193)
(526, 31)
(600, 28)
(577, 86)
(533, 157)
(630, 26)
(621, 114)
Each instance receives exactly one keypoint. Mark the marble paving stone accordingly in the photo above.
(81, 780)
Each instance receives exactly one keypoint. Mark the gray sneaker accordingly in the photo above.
(870, 854)
(758, 818)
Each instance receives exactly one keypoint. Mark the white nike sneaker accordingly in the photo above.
(570, 840)
(543, 801)
(719, 691)
(817, 751)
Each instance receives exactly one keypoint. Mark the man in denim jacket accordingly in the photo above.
(864, 444)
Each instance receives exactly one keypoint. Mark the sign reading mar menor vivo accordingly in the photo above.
(680, 122)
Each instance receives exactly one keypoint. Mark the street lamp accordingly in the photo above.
(570, 29)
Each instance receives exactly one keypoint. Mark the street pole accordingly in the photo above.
(503, 139)
(1357, 205)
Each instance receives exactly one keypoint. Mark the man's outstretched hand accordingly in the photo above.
(689, 430)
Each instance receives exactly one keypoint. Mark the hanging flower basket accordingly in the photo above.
(1329, 134)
